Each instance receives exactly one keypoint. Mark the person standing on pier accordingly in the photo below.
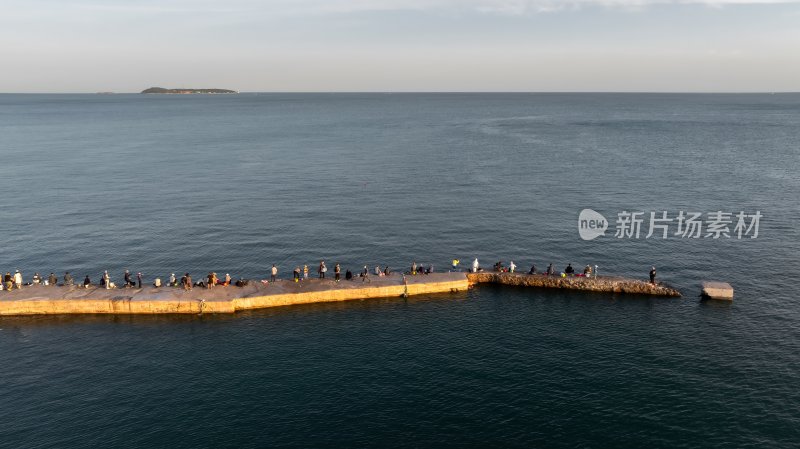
(322, 269)
(106, 280)
(139, 279)
(587, 271)
(550, 270)
(187, 282)
(305, 271)
(296, 274)
(17, 279)
(128, 280)
(414, 267)
(172, 281)
(365, 275)
(337, 272)
(653, 275)
(274, 273)
(210, 283)
(455, 264)
(511, 267)
(475, 265)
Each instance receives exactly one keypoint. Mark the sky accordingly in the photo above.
(401, 45)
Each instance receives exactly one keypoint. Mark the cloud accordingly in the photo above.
(302, 7)
(490, 6)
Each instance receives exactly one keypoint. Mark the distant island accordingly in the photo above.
(161, 90)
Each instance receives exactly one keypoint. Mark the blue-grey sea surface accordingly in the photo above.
(235, 183)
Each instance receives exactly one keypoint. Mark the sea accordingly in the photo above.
(164, 184)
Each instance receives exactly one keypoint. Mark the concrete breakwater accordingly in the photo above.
(608, 284)
(51, 300)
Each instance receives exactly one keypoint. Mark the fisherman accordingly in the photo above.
(187, 282)
(337, 272)
(139, 278)
(653, 275)
(414, 267)
(305, 271)
(227, 279)
(274, 273)
(157, 283)
(322, 269)
(348, 275)
(587, 271)
(550, 270)
(36, 279)
(210, 278)
(296, 274)
(533, 269)
(105, 281)
(172, 281)
(17, 279)
(52, 279)
(511, 267)
(455, 264)
(8, 281)
(386, 271)
(87, 282)
(569, 271)
(128, 280)
(475, 265)
(68, 279)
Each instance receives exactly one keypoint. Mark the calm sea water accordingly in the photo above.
(164, 184)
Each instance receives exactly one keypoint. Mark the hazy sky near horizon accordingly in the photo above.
(400, 45)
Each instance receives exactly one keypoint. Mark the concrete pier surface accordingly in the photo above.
(608, 284)
(50, 300)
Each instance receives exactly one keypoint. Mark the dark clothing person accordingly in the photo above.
(296, 273)
(533, 269)
(386, 271)
(128, 280)
(139, 279)
(86, 281)
(348, 275)
(550, 270)
(52, 279)
(653, 276)
(569, 270)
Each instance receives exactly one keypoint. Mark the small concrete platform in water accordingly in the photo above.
(717, 290)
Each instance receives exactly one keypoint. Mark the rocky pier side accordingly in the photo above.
(607, 284)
